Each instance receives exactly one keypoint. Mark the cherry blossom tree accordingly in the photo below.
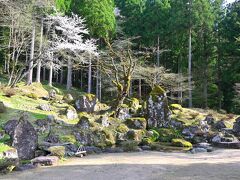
(70, 39)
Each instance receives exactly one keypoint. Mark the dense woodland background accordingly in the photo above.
(190, 47)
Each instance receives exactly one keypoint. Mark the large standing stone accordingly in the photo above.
(236, 127)
(86, 103)
(52, 94)
(24, 137)
(158, 111)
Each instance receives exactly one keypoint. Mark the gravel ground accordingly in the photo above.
(218, 165)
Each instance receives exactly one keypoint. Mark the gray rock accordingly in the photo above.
(43, 125)
(210, 120)
(203, 145)
(198, 150)
(93, 149)
(52, 138)
(45, 160)
(124, 114)
(190, 131)
(216, 139)
(84, 123)
(146, 148)
(104, 121)
(71, 113)
(158, 112)
(68, 98)
(86, 103)
(24, 137)
(220, 125)
(8, 159)
(52, 94)
(236, 127)
(2, 107)
(84, 137)
(45, 107)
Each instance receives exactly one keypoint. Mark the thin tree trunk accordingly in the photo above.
(205, 79)
(61, 75)
(190, 69)
(140, 89)
(100, 86)
(50, 74)
(44, 74)
(69, 74)
(180, 88)
(81, 83)
(39, 66)
(30, 74)
(97, 83)
(90, 75)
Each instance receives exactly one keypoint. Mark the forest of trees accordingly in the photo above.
(125, 47)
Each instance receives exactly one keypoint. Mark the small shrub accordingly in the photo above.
(9, 92)
(68, 139)
(130, 146)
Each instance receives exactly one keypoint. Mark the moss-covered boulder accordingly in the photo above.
(158, 112)
(136, 135)
(167, 134)
(58, 151)
(122, 128)
(84, 122)
(68, 98)
(71, 113)
(181, 143)
(136, 123)
(151, 136)
(129, 146)
(86, 103)
(134, 105)
(8, 158)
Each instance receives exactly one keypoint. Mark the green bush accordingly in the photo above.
(181, 143)
(167, 134)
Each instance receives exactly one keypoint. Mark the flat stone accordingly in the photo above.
(230, 145)
(45, 160)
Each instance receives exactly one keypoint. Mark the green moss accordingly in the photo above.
(57, 151)
(5, 139)
(90, 97)
(122, 128)
(4, 147)
(32, 96)
(157, 90)
(176, 107)
(68, 139)
(181, 143)
(167, 134)
(110, 138)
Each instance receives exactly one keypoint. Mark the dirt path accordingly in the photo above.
(218, 165)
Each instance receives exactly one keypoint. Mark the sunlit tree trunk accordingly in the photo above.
(39, 65)
(90, 75)
(69, 74)
(190, 69)
(30, 73)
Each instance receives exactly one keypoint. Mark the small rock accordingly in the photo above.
(45, 160)
(236, 127)
(136, 123)
(198, 150)
(52, 94)
(71, 113)
(68, 98)
(84, 123)
(104, 121)
(203, 145)
(220, 125)
(45, 107)
(210, 120)
(216, 139)
(146, 148)
(93, 149)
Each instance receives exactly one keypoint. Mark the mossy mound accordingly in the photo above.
(176, 107)
(122, 128)
(166, 147)
(156, 92)
(68, 98)
(153, 136)
(58, 151)
(167, 134)
(68, 139)
(129, 146)
(181, 143)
